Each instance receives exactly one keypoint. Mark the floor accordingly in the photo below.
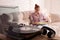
(36, 38)
(42, 38)
(45, 38)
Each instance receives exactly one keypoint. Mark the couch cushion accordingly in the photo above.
(26, 16)
(54, 17)
(13, 17)
(20, 18)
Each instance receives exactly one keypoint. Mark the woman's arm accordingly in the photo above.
(44, 18)
(31, 19)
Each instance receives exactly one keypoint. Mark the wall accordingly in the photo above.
(47, 4)
(24, 5)
(39, 2)
(53, 6)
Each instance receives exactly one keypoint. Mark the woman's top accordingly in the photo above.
(37, 18)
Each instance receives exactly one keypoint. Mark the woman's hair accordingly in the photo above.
(36, 6)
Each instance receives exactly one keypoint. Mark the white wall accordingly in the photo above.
(53, 6)
(39, 2)
(24, 5)
(47, 4)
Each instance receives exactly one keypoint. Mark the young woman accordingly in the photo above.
(37, 16)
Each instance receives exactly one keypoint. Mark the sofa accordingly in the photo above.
(23, 17)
